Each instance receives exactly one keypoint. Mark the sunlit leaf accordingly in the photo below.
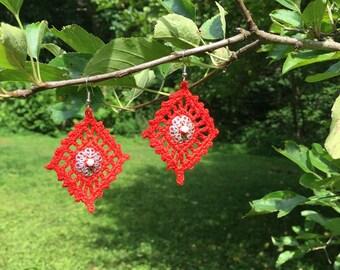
(13, 49)
(284, 257)
(332, 72)
(306, 58)
(34, 34)
(332, 143)
(223, 13)
(298, 154)
(309, 180)
(75, 63)
(13, 5)
(79, 39)
(286, 17)
(143, 80)
(321, 160)
(181, 7)
(291, 4)
(53, 48)
(181, 32)
(123, 53)
(284, 241)
(337, 260)
(73, 102)
(212, 28)
(314, 12)
(164, 70)
(220, 55)
(48, 73)
(282, 202)
(331, 224)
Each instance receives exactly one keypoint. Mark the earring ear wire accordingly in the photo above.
(184, 74)
(88, 100)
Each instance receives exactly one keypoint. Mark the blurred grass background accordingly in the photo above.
(145, 220)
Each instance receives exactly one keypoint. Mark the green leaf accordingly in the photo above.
(75, 63)
(332, 72)
(215, 27)
(327, 182)
(181, 32)
(48, 73)
(282, 202)
(164, 70)
(286, 17)
(12, 5)
(332, 143)
(309, 180)
(53, 48)
(181, 7)
(285, 241)
(123, 53)
(79, 39)
(314, 12)
(13, 49)
(143, 80)
(306, 58)
(337, 260)
(220, 55)
(291, 4)
(298, 154)
(332, 224)
(74, 102)
(212, 28)
(284, 257)
(34, 35)
(321, 160)
(223, 13)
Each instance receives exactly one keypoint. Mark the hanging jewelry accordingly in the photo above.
(182, 131)
(88, 160)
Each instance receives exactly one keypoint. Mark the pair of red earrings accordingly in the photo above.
(89, 159)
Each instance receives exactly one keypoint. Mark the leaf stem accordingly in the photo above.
(36, 75)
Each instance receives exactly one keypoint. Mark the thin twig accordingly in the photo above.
(233, 58)
(266, 37)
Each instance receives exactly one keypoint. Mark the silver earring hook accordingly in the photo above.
(88, 100)
(184, 74)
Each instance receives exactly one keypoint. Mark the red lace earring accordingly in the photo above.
(88, 160)
(182, 131)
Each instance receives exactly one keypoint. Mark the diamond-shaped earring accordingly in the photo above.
(182, 131)
(88, 160)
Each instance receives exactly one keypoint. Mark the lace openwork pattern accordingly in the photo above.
(88, 160)
(181, 132)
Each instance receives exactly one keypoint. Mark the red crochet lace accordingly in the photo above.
(88, 160)
(181, 132)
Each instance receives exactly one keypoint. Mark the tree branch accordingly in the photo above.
(243, 35)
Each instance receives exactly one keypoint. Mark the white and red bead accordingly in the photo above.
(88, 161)
(182, 129)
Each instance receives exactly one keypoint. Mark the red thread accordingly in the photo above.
(88, 134)
(181, 142)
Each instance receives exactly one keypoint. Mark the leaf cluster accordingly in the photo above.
(321, 177)
(318, 20)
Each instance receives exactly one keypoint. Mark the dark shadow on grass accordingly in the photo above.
(156, 224)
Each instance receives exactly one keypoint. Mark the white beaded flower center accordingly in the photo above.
(181, 129)
(88, 161)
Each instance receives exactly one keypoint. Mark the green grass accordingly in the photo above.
(144, 220)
